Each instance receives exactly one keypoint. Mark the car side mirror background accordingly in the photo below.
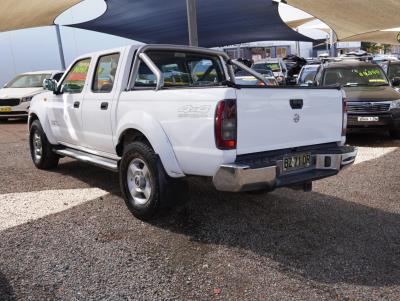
(396, 81)
(50, 84)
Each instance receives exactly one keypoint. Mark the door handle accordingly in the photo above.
(296, 104)
(77, 104)
(104, 106)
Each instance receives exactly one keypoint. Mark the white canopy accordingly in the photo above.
(355, 20)
(19, 14)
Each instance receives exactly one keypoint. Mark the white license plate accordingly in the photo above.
(369, 119)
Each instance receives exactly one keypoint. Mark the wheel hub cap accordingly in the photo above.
(139, 181)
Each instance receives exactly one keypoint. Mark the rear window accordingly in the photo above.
(182, 69)
(274, 66)
(307, 75)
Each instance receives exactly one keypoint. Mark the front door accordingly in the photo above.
(65, 107)
(98, 104)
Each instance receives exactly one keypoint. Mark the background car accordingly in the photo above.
(243, 78)
(392, 69)
(16, 95)
(277, 66)
(307, 75)
(371, 100)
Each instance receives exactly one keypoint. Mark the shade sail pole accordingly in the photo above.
(60, 46)
(192, 22)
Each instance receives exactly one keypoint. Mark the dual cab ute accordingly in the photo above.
(158, 113)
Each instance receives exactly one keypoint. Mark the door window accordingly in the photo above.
(104, 76)
(76, 77)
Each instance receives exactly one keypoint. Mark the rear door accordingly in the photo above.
(276, 118)
(97, 107)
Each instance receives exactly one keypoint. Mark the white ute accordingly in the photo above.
(16, 95)
(159, 113)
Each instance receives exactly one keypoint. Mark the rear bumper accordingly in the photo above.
(243, 177)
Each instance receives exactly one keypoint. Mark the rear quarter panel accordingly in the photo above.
(186, 116)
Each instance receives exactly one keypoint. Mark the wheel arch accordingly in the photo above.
(158, 141)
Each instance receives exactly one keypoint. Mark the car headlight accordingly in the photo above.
(26, 99)
(395, 104)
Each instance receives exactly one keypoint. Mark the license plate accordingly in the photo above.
(5, 109)
(296, 162)
(369, 119)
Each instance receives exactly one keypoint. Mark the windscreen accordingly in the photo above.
(355, 76)
(182, 69)
(274, 66)
(28, 81)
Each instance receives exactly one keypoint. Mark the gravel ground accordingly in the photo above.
(67, 235)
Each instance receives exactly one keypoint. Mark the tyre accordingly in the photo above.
(146, 187)
(395, 134)
(41, 150)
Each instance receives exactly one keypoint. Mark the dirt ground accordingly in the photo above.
(67, 235)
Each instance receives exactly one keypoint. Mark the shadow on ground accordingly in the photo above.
(320, 237)
(6, 290)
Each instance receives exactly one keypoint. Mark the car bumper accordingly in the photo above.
(243, 177)
(19, 111)
(389, 120)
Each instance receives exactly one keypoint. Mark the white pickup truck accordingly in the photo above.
(159, 113)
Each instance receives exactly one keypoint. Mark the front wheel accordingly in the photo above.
(146, 187)
(41, 150)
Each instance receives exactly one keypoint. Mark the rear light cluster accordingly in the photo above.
(226, 124)
(344, 120)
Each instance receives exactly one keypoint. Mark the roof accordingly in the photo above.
(219, 23)
(352, 18)
(44, 72)
(348, 63)
(19, 14)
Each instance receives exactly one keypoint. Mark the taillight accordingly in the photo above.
(344, 120)
(226, 124)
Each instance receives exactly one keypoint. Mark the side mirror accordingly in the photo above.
(396, 81)
(50, 84)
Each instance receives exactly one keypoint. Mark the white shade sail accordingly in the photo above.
(19, 14)
(355, 19)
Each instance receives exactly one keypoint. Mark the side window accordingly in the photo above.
(104, 76)
(76, 77)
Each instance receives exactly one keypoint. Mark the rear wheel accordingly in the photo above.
(146, 187)
(395, 134)
(41, 150)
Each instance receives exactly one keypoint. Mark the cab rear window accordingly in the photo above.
(181, 69)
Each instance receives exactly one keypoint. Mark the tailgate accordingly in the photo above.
(267, 121)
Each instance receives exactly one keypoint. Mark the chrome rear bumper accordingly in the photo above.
(240, 177)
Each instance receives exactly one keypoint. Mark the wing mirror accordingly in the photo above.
(50, 84)
(396, 81)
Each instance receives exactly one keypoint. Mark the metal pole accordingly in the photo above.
(332, 42)
(60, 46)
(192, 22)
